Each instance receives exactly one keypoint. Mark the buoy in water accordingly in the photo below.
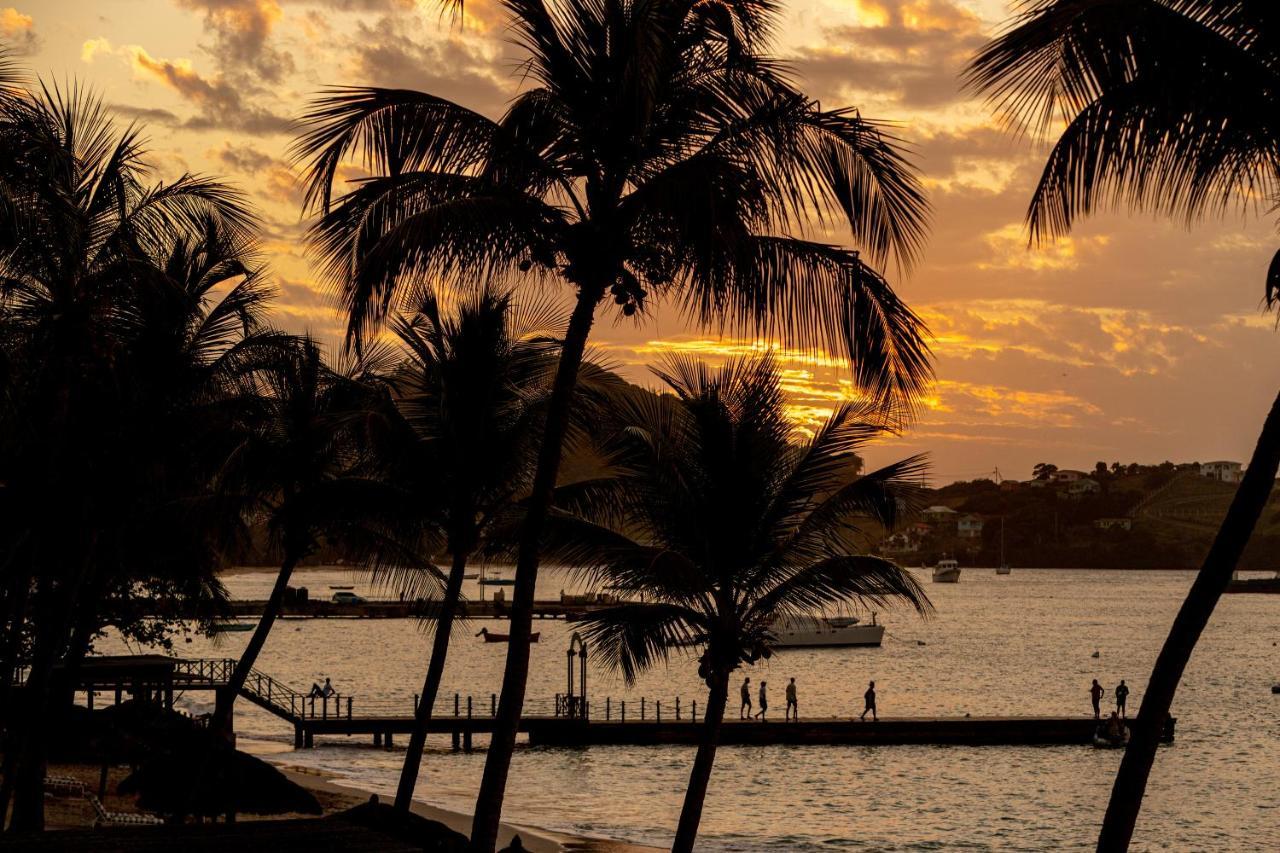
(1275, 688)
(1096, 654)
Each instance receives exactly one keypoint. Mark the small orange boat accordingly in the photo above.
(490, 637)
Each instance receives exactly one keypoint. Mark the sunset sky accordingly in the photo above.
(1136, 339)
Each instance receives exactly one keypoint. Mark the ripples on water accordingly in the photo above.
(1020, 644)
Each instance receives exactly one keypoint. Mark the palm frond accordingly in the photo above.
(837, 582)
(631, 638)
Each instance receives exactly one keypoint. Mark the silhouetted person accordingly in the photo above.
(745, 710)
(1096, 692)
(1122, 696)
(327, 691)
(870, 699)
(793, 707)
(764, 700)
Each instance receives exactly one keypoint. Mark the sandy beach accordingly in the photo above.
(70, 813)
(337, 796)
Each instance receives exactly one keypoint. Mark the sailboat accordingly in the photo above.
(1003, 568)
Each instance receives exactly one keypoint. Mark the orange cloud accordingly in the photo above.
(19, 30)
(1009, 245)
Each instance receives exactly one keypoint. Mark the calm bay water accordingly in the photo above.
(1020, 644)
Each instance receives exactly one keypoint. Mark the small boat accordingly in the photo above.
(233, 627)
(811, 632)
(490, 637)
(1004, 570)
(947, 571)
(1101, 740)
(1263, 585)
(485, 580)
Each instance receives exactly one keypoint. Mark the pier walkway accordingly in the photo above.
(571, 722)
(571, 608)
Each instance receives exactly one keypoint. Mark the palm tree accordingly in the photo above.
(309, 468)
(723, 526)
(1171, 106)
(470, 393)
(657, 150)
(196, 341)
(84, 232)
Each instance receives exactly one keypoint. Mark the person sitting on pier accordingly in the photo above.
(764, 701)
(1122, 696)
(315, 692)
(327, 691)
(1096, 692)
(745, 710)
(792, 706)
(870, 697)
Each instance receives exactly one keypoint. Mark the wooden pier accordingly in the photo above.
(418, 609)
(821, 731)
(563, 723)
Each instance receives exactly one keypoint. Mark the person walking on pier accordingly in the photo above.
(745, 710)
(1122, 696)
(1096, 692)
(764, 701)
(793, 707)
(870, 698)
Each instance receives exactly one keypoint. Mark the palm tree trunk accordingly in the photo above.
(484, 827)
(226, 698)
(1247, 505)
(56, 614)
(30, 740)
(700, 777)
(431, 685)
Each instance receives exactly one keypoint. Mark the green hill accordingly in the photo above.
(1162, 517)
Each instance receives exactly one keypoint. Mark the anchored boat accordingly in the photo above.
(491, 637)
(809, 632)
(947, 571)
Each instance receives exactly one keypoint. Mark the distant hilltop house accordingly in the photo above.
(1067, 476)
(940, 515)
(969, 527)
(1113, 523)
(1223, 472)
(1080, 488)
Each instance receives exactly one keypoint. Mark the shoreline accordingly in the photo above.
(536, 839)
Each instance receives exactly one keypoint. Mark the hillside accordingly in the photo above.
(1158, 518)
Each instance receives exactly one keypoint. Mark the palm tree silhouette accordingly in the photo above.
(1169, 105)
(85, 234)
(658, 151)
(723, 526)
(309, 467)
(470, 395)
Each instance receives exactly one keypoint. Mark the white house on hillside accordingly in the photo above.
(1085, 486)
(939, 515)
(1066, 476)
(1223, 472)
(969, 527)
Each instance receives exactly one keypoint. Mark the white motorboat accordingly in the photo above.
(947, 571)
(826, 632)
